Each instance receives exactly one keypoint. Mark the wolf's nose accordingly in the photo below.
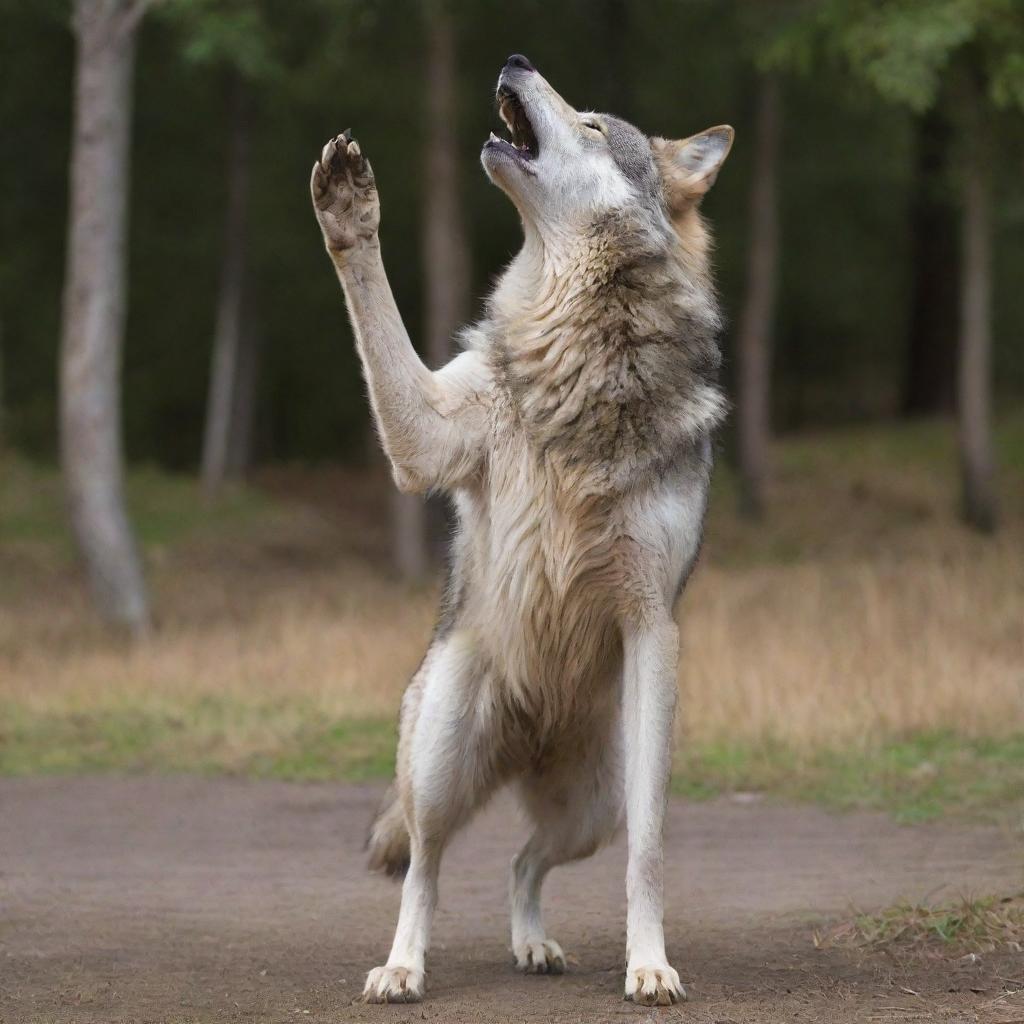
(517, 60)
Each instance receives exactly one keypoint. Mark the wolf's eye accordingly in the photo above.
(593, 126)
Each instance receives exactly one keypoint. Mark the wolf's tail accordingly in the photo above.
(388, 841)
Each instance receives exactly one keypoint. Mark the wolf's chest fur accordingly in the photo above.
(600, 382)
(544, 575)
(547, 572)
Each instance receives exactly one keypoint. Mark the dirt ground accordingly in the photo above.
(175, 900)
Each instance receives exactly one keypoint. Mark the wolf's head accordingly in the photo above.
(565, 169)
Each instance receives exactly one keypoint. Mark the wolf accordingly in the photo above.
(573, 434)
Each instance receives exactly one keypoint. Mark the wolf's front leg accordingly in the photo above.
(430, 423)
(648, 709)
(449, 770)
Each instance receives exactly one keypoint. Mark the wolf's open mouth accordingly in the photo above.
(524, 140)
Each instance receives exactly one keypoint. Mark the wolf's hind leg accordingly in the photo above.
(450, 771)
(575, 810)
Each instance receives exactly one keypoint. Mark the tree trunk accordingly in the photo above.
(754, 337)
(230, 332)
(445, 261)
(242, 440)
(974, 370)
(94, 309)
(930, 370)
(445, 248)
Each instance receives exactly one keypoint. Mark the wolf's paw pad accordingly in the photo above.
(543, 956)
(654, 986)
(393, 985)
(344, 194)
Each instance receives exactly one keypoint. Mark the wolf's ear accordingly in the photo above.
(689, 166)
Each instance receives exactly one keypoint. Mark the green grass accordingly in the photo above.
(351, 750)
(916, 779)
(208, 737)
(165, 507)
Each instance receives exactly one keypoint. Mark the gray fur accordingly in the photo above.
(631, 150)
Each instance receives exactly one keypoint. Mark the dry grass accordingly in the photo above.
(977, 925)
(861, 612)
(805, 654)
(827, 653)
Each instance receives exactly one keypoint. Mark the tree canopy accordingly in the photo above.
(316, 68)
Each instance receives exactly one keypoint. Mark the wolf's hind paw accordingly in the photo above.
(544, 956)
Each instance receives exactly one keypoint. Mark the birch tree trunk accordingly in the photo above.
(754, 337)
(974, 369)
(242, 441)
(94, 308)
(445, 258)
(230, 333)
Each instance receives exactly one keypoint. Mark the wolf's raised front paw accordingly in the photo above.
(543, 956)
(393, 985)
(344, 194)
(654, 986)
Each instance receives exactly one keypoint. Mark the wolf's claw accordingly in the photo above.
(344, 194)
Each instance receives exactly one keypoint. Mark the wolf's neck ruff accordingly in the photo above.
(609, 351)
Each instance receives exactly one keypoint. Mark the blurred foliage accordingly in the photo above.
(165, 507)
(235, 33)
(903, 48)
(315, 67)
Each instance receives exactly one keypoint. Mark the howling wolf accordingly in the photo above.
(573, 435)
